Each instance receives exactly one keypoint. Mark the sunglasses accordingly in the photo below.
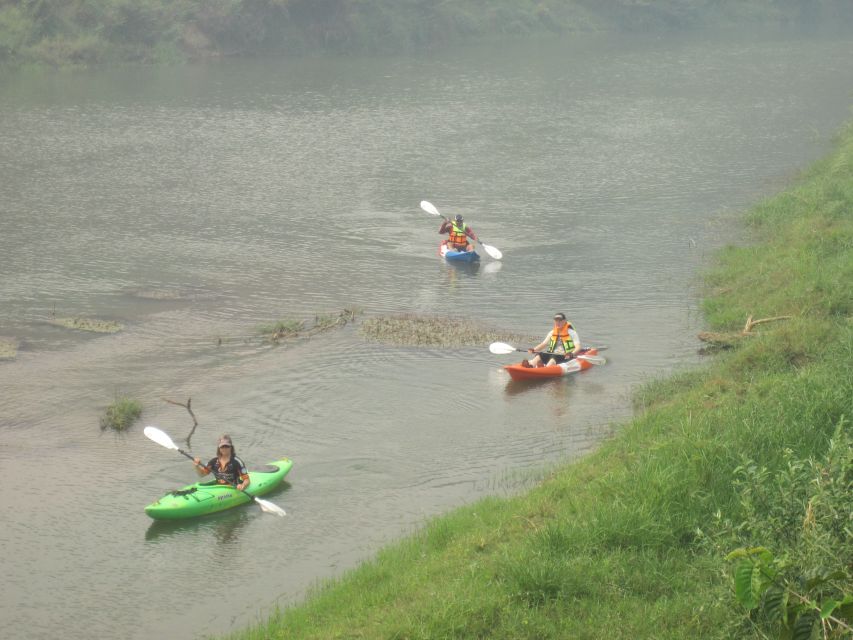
(225, 446)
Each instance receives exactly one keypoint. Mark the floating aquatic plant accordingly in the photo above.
(88, 324)
(282, 328)
(8, 348)
(159, 294)
(434, 331)
(291, 328)
(121, 414)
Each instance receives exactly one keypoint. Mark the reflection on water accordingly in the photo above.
(516, 387)
(222, 527)
(493, 267)
(556, 394)
(461, 269)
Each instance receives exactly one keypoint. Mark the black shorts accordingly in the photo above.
(558, 357)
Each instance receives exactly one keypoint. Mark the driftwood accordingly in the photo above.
(188, 407)
(750, 323)
(718, 341)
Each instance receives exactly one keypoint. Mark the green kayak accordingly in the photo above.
(202, 498)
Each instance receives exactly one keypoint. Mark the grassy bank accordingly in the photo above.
(83, 32)
(754, 449)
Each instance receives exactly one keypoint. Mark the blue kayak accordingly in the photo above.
(451, 255)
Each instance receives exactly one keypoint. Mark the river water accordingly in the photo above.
(193, 203)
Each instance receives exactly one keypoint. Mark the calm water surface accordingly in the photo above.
(193, 203)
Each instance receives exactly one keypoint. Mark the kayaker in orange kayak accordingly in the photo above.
(459, 234)
(226, 466)
(561, 344)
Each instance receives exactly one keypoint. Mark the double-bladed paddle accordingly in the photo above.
(502, 349)
(492, 251)
(163, 439)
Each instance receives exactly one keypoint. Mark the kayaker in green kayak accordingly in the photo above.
(562, 343)
(226, 466)
(459, 234)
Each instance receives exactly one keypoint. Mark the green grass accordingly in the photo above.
(121, 414)
(631, 542)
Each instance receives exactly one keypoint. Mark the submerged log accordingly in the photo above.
(718, 341)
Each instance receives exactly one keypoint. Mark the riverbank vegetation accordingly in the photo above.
(722, 510)
(84, 32)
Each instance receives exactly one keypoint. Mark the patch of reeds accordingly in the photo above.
(121, 414)
(411, 329)
(282, 328)
(295, 328)
(88, 324)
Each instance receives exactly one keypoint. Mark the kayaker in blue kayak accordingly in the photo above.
(562, 343)
(459, 234)
(226, 467)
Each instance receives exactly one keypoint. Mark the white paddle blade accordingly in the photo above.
(160, 437)
(269, 507)
(429, 208)
(501, 348)
(592, 359)
(492, 251)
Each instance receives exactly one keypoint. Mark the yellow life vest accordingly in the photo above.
(561, 336)
(457, 235)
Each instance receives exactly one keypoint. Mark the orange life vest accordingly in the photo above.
(561, 336)
(457, 235)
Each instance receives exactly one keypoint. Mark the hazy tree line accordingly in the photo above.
(91, 31)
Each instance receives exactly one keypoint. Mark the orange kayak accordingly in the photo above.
(518, 372)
